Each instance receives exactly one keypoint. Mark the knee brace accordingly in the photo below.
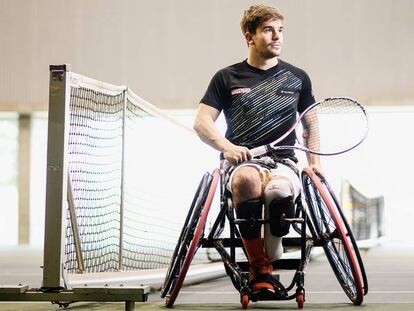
(278, 196)
(251, 211)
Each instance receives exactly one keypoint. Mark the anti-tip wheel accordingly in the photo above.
(244, 301)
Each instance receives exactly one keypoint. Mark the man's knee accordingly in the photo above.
(246, 184)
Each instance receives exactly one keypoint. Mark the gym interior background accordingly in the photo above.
(167, 51)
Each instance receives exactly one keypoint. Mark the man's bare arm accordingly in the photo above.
(208, 132)
(311, 139)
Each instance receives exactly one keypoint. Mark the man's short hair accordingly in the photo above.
(257, 14)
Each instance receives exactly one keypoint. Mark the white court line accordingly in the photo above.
(379, 292)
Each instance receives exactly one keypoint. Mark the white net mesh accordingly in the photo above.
(133, 173)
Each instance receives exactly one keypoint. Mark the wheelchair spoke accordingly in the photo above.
(190, 238)
(344, 268)
(336, 248)
(322, 215)
(335, 235)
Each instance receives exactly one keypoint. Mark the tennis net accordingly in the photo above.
(133, 171)
(365, 214)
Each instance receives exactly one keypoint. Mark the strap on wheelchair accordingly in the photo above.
(249, 214)
(268, 278)
(289, 162)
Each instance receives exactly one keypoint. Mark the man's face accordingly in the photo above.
(268, 40)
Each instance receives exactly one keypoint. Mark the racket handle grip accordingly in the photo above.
(258, 151)
(255, 152)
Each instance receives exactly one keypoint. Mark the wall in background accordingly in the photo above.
(167, 50)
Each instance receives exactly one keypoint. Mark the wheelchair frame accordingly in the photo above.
(321, 224)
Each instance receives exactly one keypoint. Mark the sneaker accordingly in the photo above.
(262, 283)
(260, 276)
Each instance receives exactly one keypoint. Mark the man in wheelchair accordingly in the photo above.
(260, 98)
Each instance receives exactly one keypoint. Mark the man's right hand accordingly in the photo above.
(237, 154)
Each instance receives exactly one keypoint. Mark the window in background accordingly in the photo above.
(38, 178)
(8, 178)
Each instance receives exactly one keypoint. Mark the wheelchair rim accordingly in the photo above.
(330, 228)
(195, 242)
(186, 233)
(349, 233)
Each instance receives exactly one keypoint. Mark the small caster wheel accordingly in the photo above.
(300, 299)
(244, 301)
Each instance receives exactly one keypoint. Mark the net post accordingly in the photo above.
(122, 198)
(56, 178)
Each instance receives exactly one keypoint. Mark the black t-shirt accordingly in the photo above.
(260, 105)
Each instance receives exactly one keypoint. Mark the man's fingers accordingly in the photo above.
(239, 155)
(240, 158)
(246, 155)
(237, 160)
(249, 155)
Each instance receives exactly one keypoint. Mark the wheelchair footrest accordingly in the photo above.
(280, 264)
(267, 295)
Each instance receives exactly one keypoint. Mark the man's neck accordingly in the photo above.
(261, 63)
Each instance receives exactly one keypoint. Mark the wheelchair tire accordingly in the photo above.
(190, 237)
(186, 233)
(329, 225)
(349, 233)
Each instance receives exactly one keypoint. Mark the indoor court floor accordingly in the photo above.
(389, 268)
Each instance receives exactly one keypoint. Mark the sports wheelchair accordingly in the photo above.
(318, 221)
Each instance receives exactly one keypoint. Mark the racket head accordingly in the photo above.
(341, 124)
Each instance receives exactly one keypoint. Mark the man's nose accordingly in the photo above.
(275, 35)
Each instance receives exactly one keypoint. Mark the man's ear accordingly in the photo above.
(249, 38)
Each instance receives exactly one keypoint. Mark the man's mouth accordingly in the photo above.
(275, 45)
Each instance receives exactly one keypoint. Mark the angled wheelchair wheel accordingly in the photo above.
(190, 237)
(186, 233)
(329, 224)
(349, 233)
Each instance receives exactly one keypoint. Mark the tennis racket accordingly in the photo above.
(331, 126)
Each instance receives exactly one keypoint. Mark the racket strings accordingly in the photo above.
(334, 126)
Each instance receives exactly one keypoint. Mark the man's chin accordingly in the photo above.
(277, 53)
(274, 53)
